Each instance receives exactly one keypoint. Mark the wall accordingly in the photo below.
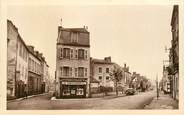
(103, 82)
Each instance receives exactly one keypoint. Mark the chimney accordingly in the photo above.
(108, 59)
(31, 48)
(124, 65)
(40, 54)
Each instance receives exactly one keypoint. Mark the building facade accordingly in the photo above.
(165, 84)
(127, 75)
(72, 63)
(34, 72)
(24, 73)
(17, 62)
(174, 53)
(101, 71)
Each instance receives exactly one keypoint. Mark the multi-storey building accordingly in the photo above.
(46, 78)
(165, 82)
(72, 63)
(34, 72)
(101, 69)
(174, 53)
(24, 66)
(17, 62)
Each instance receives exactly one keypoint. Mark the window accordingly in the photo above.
(100, 77)
(100, 70)
(80, 91)
(107, 78)
(81, 72)
(81, 54)
(107, 70)
(74, 37)
(85, 71)
(66, 53)
(65, 71)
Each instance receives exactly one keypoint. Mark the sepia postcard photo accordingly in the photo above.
(92, 57)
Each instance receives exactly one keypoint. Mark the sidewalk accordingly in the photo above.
(22, 98)
(163, 102)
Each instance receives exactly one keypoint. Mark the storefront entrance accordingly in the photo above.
(73, 91)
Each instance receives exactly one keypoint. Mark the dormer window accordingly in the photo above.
(74, 37)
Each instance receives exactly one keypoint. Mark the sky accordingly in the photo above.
(131, 34)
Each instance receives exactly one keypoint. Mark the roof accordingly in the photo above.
(101, 61)
(19, 36)
(74, 29)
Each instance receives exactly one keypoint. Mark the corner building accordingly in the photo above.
(72, 63)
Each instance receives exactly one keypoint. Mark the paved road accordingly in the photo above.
(44, 103)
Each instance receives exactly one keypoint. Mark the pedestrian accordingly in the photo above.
(26, 91)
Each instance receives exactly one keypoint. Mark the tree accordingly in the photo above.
(116, 76)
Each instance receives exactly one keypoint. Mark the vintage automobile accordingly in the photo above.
(130, 91)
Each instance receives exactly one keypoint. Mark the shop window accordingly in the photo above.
(73, 91)
(66, 91)
(80, 91)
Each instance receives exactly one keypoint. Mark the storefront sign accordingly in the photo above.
(74, 83)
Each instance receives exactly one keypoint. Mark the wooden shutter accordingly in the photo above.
(61, 53)
(85, 54)
(70, 71)
(76, 54)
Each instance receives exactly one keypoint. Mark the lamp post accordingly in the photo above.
(157, 87)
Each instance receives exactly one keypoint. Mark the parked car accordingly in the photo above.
(130, 91)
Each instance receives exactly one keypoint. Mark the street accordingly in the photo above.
(44, 102)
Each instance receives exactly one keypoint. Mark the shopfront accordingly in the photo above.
(73, 89)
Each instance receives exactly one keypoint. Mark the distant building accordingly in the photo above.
(127, 75)
(72, 63)
(17, 62)
(101, 69)
(34, 73)
(174, 53)
(24, 74)
(165, 84)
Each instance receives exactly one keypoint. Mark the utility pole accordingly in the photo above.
(157, 86)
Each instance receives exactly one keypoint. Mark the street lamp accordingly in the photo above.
(157, 87)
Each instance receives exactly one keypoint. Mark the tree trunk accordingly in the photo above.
(116, 88)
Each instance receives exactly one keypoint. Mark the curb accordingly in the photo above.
(22, 98)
